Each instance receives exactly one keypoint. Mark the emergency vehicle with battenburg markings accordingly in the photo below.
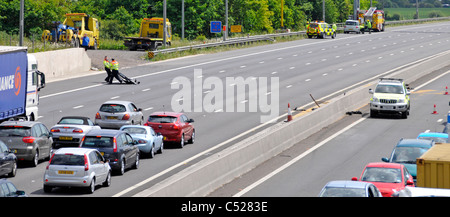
(320, 29)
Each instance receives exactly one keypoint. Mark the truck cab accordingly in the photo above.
(36, 81)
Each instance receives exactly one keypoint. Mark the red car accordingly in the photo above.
(175, 127)
(387, 177)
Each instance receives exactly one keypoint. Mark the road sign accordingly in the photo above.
(216, 26)
(151, 54)
(236, 28)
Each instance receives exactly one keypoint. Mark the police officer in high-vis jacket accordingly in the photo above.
(107, 65)
(115, 71)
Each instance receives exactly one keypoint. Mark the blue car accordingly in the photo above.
(407, 151)
(148, 141)
(349, 189)
(437, 137)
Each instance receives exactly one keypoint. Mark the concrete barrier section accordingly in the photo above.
(63, 63)
(221, 168)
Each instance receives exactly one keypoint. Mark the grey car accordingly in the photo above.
(352, 26)
(349, 189)
(70, 130)
(29, 140)
(114, 114)
(77, 167)
(147, 140)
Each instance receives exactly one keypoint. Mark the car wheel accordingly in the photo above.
(404, 115)
(91, 187)
(107, 182)
(13, 170)
(122, 167)
(373, 113)
(161, 149)
(136, 163)
(182, 141)
(35, 160)
(151, 154)
(192, 140)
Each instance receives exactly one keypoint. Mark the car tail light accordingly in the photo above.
(86, 164)
(126, 117)
(77, 130)
(28, 139)
(141, 141)
(97, 116)
(54, 130)
(176, 127)
(115, 144)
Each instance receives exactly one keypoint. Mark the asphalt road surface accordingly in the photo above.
(318, 67)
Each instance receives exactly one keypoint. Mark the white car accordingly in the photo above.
(114, 114)
(70, 130)
(353, 26)
(77, 167)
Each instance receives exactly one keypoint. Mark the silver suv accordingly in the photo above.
(77, 167)
(391, 95)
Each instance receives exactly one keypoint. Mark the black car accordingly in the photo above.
(8, 161)
(8, 189)
(116, 146)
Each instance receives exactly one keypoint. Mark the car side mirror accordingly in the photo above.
(191, 120)
(409, 182)
(21, 193)
(370, 91)
(139, 109)
(354, 179)
(384, 159)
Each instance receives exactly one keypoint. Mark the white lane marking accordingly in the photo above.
(148, 109)
(265, 178)
(144, 90)
(77, 107)
(115, 97)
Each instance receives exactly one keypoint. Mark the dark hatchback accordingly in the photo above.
(8, 161)
(116, 146)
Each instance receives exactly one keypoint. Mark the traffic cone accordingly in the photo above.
(446, 90)
(289, 117)
(434, 112)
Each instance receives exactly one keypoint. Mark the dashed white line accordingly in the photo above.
(77, 107)
(115, 97)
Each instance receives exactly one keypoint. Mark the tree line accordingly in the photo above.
(120, 18)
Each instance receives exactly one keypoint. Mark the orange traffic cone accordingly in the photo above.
(289, 117)
(434, 111)
(446, 90)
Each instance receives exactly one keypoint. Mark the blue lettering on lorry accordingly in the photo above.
(13, 82)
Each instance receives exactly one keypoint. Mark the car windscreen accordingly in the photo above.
(343, 192)
(162, 119)
(97, 142)
(76, 121)
(135, 130)
(113, 108)
(382, 88)
(351, 23)
(313, 25)
(15, 131)
(407, 155)
(378, 174)
(67, 159)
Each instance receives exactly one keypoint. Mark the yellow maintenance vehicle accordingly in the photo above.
(150, 35)
(72, 30)
(320, 29)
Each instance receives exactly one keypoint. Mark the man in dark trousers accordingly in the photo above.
(115, 71)
(107, 65)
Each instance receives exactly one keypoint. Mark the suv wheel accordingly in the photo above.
(35, 160)
(373, 113)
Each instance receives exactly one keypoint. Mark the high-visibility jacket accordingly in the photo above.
(115, 65)
(107, 64)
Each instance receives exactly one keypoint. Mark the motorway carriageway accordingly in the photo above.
(342, 150)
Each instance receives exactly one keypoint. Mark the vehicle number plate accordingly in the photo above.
(65, 138)
(67, 172)
(112, 117)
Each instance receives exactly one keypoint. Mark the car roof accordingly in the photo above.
(75, 151)
(175, 114)
(433, 134)
(347, 184)
(385, 165)
(414, 143)
(19, 123)
(117, 102)
(104, 132)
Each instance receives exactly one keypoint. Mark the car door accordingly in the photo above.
(131, 149)
(187, 127)
(47, 139)
(104, 165)
(36, 132)
(156, 139)
(136, 113)
(97, 165)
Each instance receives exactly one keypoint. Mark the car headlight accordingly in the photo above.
(401, 100)
(374, 99)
